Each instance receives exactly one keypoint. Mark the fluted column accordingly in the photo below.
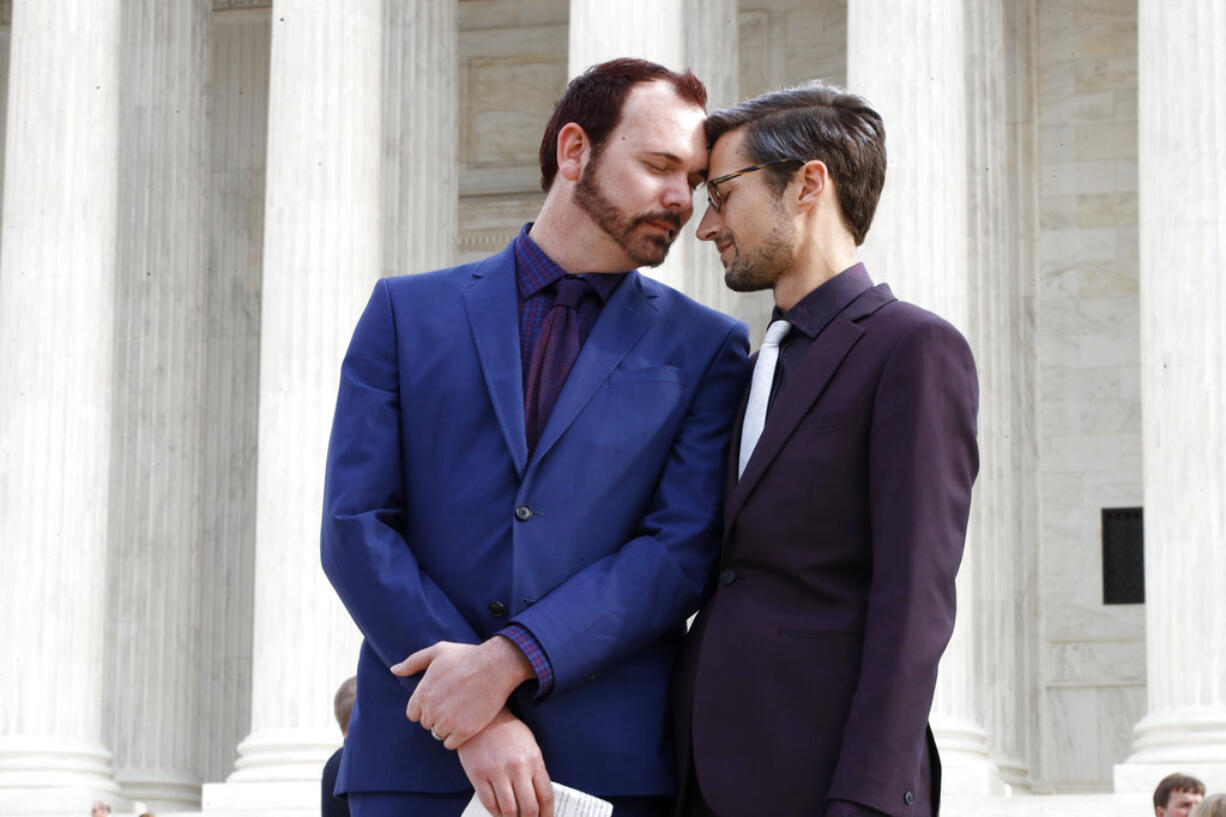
(648, 29)
(999, 210)
(909, 60)
(421, 178)
(153, 658)
(238, 127)
(322, 253)
(57, 283)
(1182, 158)
(712, 50)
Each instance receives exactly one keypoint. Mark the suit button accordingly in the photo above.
(727, 577)
(909, 798)
(497, 609)
(523, 513)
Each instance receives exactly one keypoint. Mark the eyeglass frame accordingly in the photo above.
(716, 201)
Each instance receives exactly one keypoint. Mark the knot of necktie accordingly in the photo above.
(776, 332)
(570, 291)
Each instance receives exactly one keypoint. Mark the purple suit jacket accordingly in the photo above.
(810, 673)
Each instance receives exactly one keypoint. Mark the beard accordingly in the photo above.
(645, 247)
(760, 267)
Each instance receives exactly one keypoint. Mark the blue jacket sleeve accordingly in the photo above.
(364, 552)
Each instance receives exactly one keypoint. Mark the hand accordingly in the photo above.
(505, 768)
(463, 687)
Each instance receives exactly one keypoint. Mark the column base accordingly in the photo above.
(46, 775)
(1131, 776)
(967, 767)
(161, 790)
(1014, 773)
(1192, 741)
(263, 798)
(285, 755)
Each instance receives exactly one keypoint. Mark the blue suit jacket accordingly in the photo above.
(428, 465)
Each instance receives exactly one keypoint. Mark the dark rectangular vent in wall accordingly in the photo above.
(1123, 556)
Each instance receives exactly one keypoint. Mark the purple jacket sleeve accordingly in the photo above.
(923, 459)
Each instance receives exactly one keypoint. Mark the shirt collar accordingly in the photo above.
(815, 311)
(535, 271)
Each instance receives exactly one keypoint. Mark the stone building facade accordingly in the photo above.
(198, 195)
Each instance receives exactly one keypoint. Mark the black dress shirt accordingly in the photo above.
(810, 316)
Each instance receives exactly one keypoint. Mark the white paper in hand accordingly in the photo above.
(567, 802)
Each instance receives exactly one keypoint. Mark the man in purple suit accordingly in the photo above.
(806, 682)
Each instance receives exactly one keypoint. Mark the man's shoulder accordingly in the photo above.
(903, 319)
(443, 279)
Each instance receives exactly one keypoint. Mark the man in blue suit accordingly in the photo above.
(524, 481)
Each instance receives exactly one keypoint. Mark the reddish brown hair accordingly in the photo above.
(594, 100)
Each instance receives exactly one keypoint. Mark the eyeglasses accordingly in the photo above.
(716, 199)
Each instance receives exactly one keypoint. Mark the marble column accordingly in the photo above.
(999, 210)
(6, 27)
(648, 29)
(57, 284)
(420, 123)
(909, 60)
(153, 614)
(1182, 160)
(712, 52)
(238, 128)
(322, 253)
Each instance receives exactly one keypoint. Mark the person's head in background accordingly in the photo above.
(342, 703)
(1177, 794)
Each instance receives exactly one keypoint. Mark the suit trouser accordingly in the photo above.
(409, 804)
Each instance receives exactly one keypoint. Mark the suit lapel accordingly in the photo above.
(734, 448)
(793, 401)
(493, 318)
(623, 320)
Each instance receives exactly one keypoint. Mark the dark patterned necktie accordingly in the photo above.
(553, 356)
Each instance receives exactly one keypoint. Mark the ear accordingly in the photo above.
(814, 182)
(573, 150)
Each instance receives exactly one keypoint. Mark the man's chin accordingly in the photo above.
(738, 282)
(649, 252)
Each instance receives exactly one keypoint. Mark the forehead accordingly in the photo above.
(726, 154)
(655, 118)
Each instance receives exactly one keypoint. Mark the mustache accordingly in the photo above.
(663, 217)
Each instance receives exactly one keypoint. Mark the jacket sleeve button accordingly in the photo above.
(497, 609)
(909, 798)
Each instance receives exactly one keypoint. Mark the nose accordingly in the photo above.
(679, 196)
(708, 228)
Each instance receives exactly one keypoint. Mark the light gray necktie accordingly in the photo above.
(760, 391)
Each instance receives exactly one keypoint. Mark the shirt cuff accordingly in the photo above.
(846, 808)
(523, 638)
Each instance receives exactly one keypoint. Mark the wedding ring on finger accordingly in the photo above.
(436, 735)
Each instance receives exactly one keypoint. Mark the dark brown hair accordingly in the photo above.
(1173, 783)
(815, 121)
(594, 100)
(342, 703)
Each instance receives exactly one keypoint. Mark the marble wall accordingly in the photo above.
(1093, 655)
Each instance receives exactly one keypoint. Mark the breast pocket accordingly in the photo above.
(648, 374)
(635, 415)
